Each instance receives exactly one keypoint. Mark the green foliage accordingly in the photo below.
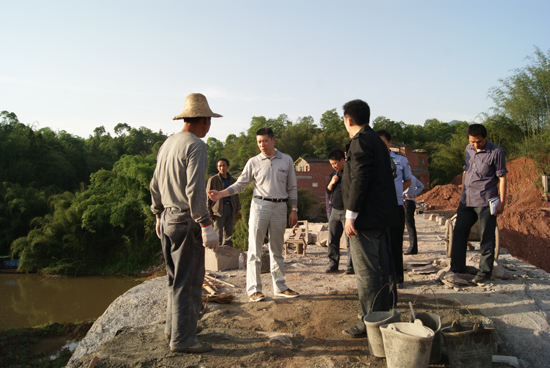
(525, 96)
(447, 159)
(540, 151)
(106, 228)
(240, 228)
(394, 128)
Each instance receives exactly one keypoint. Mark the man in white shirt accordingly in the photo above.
(274, 184)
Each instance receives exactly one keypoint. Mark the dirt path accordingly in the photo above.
(518, 308)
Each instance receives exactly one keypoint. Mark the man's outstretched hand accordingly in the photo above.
(214, 195)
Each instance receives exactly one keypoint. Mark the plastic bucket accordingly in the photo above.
(433, 321)
(407, 345)
(373, 321)
(469, 345)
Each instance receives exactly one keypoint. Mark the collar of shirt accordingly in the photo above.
(489, 147)
(277, 155)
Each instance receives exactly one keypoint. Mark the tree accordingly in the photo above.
(525, 96)
(331, 122)
(214, 149)
(395, 128)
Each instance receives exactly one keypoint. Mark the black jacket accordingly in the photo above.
(367, 184)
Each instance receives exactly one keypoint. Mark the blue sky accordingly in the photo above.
(77, 65)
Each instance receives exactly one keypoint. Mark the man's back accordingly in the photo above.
(368, 186)
(181, 163)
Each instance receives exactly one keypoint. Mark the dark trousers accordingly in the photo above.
(391, 273)
(184, 256)
(410, 208)
(396, 244)
(336, 224)
(223, 225)
(370, 262)
(466, 217)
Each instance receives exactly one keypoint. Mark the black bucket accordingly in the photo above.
(469, 345)
(433, 321)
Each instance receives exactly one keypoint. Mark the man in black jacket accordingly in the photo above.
(369, 199)
(337, 217)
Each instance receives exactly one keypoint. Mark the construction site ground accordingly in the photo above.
(307, 331)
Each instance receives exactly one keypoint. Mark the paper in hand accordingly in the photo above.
(493, 204)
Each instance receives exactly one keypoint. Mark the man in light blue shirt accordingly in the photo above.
(409, 203)
(402, 181)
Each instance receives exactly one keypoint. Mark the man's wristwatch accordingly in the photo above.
(294, 209)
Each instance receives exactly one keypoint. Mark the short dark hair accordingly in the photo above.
(192, 120)
(384, 133)
(336, 155)
(358, 111)
(265, 131)
(475, 130)
(223, 159)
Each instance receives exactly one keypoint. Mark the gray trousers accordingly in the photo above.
(184, 256)
(336, 224)
(223, 225)
(370, 262)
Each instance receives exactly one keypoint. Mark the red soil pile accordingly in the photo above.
(525, 224)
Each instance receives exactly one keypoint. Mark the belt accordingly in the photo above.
(174, 211)
(272, 199)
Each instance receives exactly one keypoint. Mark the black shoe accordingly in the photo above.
(350, 271)
(480, 279)
(200, 347)
(355, 332)
(331, 270)
(409, 252)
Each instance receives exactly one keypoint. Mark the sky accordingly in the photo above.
(78, 65)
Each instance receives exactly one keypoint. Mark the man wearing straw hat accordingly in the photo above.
(178, 194)
(369, 200)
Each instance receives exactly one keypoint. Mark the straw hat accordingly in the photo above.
(196, 106)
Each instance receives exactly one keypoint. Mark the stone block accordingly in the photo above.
(225, 258)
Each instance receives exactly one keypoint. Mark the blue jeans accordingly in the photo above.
(370, 262)
(184, 256)
(466, 217)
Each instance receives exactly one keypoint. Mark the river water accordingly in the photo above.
(29, 300)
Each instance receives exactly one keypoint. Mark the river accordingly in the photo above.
(28, 300)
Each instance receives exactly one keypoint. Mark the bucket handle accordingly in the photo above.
(435, 297)
(454, 312)
(378, 293)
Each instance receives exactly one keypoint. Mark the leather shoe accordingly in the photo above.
(331, 270)
(168, 337)
(355, 332)
(200, 347)
(350, 271)
(409, 252)
(479, 279)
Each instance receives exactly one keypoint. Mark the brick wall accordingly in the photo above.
(316, 179)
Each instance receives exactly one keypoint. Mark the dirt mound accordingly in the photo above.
(524, 225)
(442, 197)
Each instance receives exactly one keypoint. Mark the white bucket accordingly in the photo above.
(407, 345)
(373, 321)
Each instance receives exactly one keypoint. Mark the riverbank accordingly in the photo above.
(307, 331)
(35, 347)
